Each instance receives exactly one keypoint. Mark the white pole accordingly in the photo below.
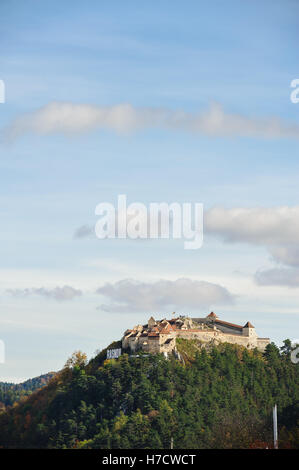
(275, 435)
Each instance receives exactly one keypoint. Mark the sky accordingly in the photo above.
(163, 101)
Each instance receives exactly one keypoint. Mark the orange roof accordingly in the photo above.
(248, 325)
(212, 315)
(165, 331)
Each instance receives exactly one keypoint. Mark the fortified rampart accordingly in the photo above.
(159, 336)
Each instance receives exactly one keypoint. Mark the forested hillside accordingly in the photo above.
(11, 393)
(217, 398)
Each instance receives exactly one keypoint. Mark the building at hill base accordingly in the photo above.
(159, 336)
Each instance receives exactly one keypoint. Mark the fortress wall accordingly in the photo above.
(238, 339)
(166, 342)
(262, 343)
(207, 336)
(153, 344)
(132, 343)
(168, 347)
(204, 336)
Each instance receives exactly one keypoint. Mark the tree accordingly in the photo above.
(286, 348)
(271, 352)
(77, 359)
(220, 399)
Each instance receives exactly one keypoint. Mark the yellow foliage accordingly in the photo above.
(78, 358)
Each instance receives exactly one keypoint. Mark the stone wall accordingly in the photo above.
(160, 337)
(217, 337)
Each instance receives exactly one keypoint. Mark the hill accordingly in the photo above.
(216, 398)
(11, 393)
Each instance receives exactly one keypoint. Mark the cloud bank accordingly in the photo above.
(272, 227)
(129, 295)
(57, 293)
(287, 277)
(277, 229)
(69, 118)
(259, 226)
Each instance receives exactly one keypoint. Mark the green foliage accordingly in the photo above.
(11, 393)
(188, 348)
(220, 398)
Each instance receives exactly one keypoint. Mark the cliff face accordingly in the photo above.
(160, 336)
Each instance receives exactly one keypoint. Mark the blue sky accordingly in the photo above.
(169, 55)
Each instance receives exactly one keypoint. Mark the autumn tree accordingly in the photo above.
(77, 359)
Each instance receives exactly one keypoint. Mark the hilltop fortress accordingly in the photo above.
(159, 336)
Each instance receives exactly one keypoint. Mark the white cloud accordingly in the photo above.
(288, 254)
(272, 227)
(129, 295)
(57, 293)
(70, 118)
(288, 277)
(259, 226)
(277, 229)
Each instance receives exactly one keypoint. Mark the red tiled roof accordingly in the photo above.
(248, 325)
(165, 331)
(212, 315)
